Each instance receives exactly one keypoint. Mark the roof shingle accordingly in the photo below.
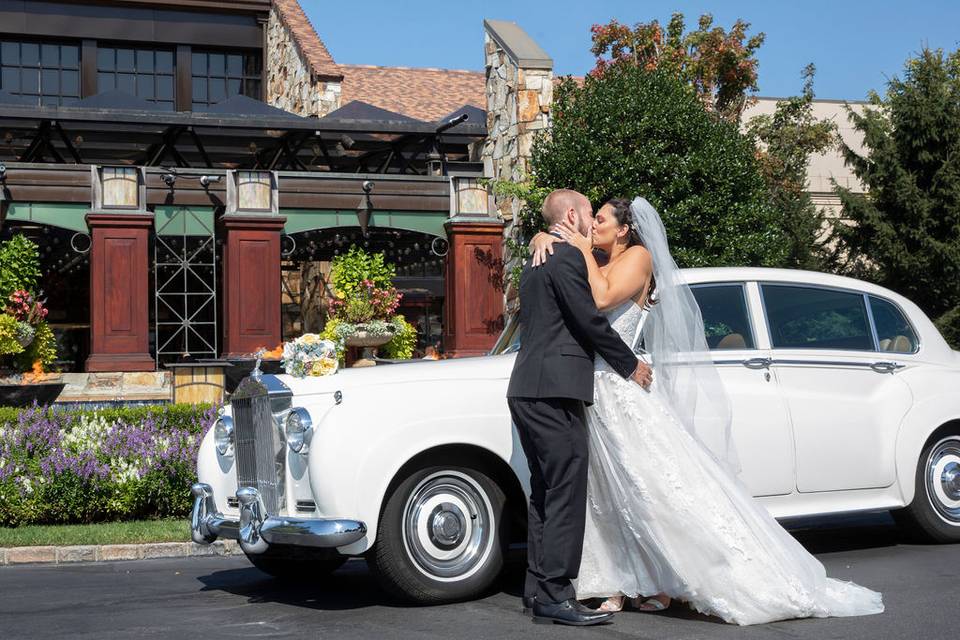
(425, 94)
(310, 45)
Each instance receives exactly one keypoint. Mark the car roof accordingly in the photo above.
(703, 275)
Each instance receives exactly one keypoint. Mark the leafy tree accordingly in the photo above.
(904, 233)
(720, 65)
(786, 139)
(632, 131)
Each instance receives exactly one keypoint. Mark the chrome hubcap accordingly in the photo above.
(448, 526)
(943, 479)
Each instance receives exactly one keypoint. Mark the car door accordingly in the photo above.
(844, 396)
(761, 425)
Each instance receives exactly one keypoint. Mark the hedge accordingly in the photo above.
(80, 466)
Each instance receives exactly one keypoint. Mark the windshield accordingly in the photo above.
(509, 340)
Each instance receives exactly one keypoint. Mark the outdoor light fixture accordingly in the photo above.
(206, 180)
(347, 141)
(365, 208)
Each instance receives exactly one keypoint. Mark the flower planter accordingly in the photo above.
(369, 342)
(24, 395)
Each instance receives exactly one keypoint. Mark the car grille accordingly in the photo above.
(259, 449)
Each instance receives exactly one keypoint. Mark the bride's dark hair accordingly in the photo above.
(621, 211)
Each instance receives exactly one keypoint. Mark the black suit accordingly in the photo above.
(552, 379)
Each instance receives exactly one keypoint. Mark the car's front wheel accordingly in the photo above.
(934, 513)
(441, 536)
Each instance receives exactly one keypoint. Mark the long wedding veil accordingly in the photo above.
(673, 335)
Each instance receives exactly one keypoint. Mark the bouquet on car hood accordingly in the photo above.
(309, 355)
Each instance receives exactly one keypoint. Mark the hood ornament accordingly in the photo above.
(257, 374)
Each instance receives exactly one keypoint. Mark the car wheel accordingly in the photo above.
(293, 563)
(441, 536)
(934, 514)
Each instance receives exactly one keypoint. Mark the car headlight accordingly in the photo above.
(223, 435)
(298, 427)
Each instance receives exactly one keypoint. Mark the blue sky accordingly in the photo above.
(856, 45)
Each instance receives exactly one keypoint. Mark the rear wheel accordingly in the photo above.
(934, 513)
(441, 536)
(294, 563)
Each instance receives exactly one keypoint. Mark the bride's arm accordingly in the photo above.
(623, 280)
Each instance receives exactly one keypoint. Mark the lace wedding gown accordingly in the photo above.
(664, 516)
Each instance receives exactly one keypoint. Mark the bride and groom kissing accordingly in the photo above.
(634, 496)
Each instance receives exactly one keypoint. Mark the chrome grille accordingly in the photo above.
(259, 448)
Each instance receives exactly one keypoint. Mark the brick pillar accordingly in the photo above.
(251, 283)
(119, 292)
(474, 286)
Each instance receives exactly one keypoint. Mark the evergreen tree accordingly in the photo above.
(904, 233)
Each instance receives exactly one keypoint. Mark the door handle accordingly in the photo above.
(886, 366)
(758, 363)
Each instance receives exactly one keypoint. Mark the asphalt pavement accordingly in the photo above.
(225, 597)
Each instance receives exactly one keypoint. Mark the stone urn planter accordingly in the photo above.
(369, 342)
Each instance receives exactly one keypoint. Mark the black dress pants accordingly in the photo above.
(553, 434)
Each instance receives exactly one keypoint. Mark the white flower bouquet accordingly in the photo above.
(309, 355)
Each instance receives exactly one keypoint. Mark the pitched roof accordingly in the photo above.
(359, 110)
(425, 93)
(309, 43)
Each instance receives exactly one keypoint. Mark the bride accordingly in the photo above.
(666, 516)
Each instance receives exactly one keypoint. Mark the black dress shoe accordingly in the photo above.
(528, 604)
(568, 612)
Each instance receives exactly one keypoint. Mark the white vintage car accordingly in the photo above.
(845, 398)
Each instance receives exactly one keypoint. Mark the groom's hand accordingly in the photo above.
(643, 375)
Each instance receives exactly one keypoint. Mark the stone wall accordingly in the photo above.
(518, 108)
(291, 85)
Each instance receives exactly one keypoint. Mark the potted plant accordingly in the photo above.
(362, 310)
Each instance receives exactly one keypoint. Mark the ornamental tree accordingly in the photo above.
(720, 65)
(904, 233)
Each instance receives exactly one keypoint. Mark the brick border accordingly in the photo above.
(114, 552)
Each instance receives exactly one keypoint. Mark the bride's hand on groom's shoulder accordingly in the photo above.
(571, 235)
(643, 375)
(541, 246)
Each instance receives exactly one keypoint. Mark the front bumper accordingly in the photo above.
(256, 530)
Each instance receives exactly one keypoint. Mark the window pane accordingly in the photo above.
(251, 88)
(199, 106)
(50, 55)
(165, 87)
(725, 317)
(30, 81)
(894, 332)
(251, 64)
(70, 83)
(50, 101)
(810, 318)
(106, 82)
(164, 62)
(10, 80)
(144, 61)
(233, 87)
(218, 90)
(50, 82)
(125, 60)
(235, 65)
(199, 64)
(145, 86)
(68, 102)
(217, 64)
(69, 57)
(30, 54)
(105, 59)
(127, 82)
(200, 89)
(10, 53)
(166, 106)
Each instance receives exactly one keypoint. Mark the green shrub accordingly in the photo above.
(402, 345)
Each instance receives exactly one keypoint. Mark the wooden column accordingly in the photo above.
(251, 283)
(474, 286)
(119, 292)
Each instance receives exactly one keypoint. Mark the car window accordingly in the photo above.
(893, 331)
(725, 316)
(813, 318)
(509, 340)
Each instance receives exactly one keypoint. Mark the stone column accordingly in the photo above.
(119, 292)
(251, 283)
(474, 286)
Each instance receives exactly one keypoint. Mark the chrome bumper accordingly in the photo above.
(256, 530)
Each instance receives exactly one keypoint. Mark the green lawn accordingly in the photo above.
(105, 533)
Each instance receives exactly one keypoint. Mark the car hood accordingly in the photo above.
(475, 368)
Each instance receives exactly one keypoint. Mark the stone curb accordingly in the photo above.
(113, 552)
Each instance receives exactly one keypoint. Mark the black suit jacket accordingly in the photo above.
(562, 330)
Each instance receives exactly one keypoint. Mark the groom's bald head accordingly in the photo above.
(569, 205)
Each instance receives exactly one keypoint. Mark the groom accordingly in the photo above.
(552, 379)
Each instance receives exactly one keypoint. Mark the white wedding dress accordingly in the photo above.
(663, 515)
